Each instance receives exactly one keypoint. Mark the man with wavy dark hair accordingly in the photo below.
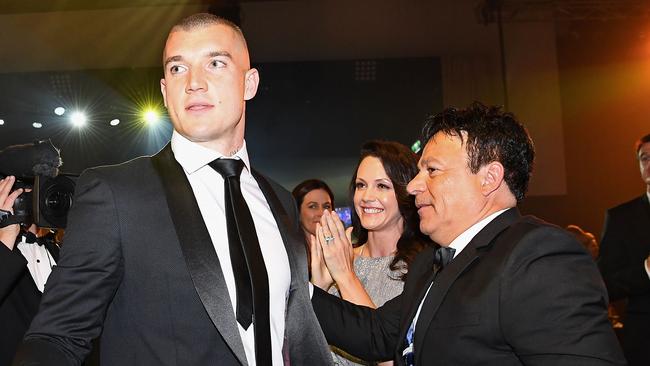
(625, 262)
(502, 288)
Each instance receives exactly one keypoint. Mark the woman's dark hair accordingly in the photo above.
(307, 186)
(400, 164)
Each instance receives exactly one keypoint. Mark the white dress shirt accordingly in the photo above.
(39, 262)
(208, 188)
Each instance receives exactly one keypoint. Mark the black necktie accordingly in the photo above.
(443, 256)
(248, 267)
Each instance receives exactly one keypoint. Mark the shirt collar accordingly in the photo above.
(463, 239)
(192, 156)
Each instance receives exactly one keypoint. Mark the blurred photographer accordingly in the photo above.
(27, 254)
(24, 268)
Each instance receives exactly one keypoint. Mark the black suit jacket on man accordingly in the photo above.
(138, 266)
(624, 246)
(521, 292)
(19, 299)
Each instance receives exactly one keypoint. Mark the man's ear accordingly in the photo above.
(491, 177)
(163, 86)
(251, 81)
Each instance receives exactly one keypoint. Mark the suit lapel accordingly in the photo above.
(420, 289)
(445, 279)
(283, 222)
(198, 250)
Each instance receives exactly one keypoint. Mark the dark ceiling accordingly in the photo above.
(40, 6)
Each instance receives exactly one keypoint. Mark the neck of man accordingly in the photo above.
(228, 143)
(494, 203)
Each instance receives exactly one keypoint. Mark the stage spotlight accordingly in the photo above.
(151, 116)
(78, 119)
(114, 122)
(2, 122)
(59, 111)
(37, 125)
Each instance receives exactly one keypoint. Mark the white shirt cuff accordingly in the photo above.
(311, 286)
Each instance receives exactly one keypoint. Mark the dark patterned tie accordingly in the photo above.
(443, 256)
(248, 267)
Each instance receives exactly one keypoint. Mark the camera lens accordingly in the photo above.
(58, 201)
(55, 199)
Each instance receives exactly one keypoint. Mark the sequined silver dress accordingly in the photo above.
(380, 283)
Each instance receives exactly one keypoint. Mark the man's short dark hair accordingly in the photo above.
(203, 19)
(199, 20)
(643, 140)
(491, 135)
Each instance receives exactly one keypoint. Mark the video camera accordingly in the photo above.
(36, 168)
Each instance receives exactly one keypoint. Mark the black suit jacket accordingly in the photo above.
(624, 246)
(521, 292)
(19, 299)
(138, 266)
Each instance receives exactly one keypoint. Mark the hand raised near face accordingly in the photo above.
(8, 233)
(336, 246)
(320, 275)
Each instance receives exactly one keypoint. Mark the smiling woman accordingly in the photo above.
(385, 221)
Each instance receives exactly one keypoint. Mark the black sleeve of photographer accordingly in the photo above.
(13, 266)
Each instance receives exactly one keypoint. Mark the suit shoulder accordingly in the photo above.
(531, 223)
(536, 236)
(133, 166)
(624, 207)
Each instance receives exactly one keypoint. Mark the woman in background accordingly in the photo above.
(386, 223)
(312, 196)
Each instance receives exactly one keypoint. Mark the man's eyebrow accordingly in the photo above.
(173, 59)
(220, 53)
(209, 54)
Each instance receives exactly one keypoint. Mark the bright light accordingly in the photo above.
(59, 111)
(151, 116)
(78, 119)
(2, 122)
(114, 122)
(37, 125)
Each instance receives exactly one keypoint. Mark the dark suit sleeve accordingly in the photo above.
(12, 265)
(553, 303)
(370, 334)
(82, 283)
(622, 276)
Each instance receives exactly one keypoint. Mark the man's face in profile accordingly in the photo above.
(448, 195)
(644, 162)
(206, 82)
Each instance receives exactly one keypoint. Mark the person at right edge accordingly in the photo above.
(625, 262)
(503, 289)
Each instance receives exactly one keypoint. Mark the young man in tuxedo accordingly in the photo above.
(153, 259)
(502, 289)
(625, 262)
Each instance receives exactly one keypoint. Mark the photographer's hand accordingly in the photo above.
(8, 233)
